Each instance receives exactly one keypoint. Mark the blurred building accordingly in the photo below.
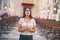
(16, 7)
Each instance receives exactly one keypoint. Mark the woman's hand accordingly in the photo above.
(32, 30)
(26, 28)
(20, 29)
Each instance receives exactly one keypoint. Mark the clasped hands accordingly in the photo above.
(27, 28)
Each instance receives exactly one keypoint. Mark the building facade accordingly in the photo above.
(16, 8)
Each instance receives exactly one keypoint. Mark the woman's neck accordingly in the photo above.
(27, 17)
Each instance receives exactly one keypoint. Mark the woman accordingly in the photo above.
(27, 26)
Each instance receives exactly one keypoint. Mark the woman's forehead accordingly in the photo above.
(27, 9)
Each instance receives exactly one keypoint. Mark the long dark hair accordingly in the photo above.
(24, 15)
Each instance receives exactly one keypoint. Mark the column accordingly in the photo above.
(51, 3)
(51, 9)
(0, 6)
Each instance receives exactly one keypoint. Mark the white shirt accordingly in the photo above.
(30, 24)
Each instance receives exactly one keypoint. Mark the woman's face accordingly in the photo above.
(27, 12)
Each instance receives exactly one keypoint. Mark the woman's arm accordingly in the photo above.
(20, 28)
(34, 26)
(33, 29)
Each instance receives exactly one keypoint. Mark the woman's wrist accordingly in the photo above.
(32, 30)
(21, 30)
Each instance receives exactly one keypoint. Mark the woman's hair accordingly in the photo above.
(24, 15)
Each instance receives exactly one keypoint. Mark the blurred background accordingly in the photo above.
(45, 12)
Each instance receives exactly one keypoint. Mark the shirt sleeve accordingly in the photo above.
(20, 21)
(34, 22)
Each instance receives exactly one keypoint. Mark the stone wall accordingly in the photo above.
(16, 5)
(36, 9)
